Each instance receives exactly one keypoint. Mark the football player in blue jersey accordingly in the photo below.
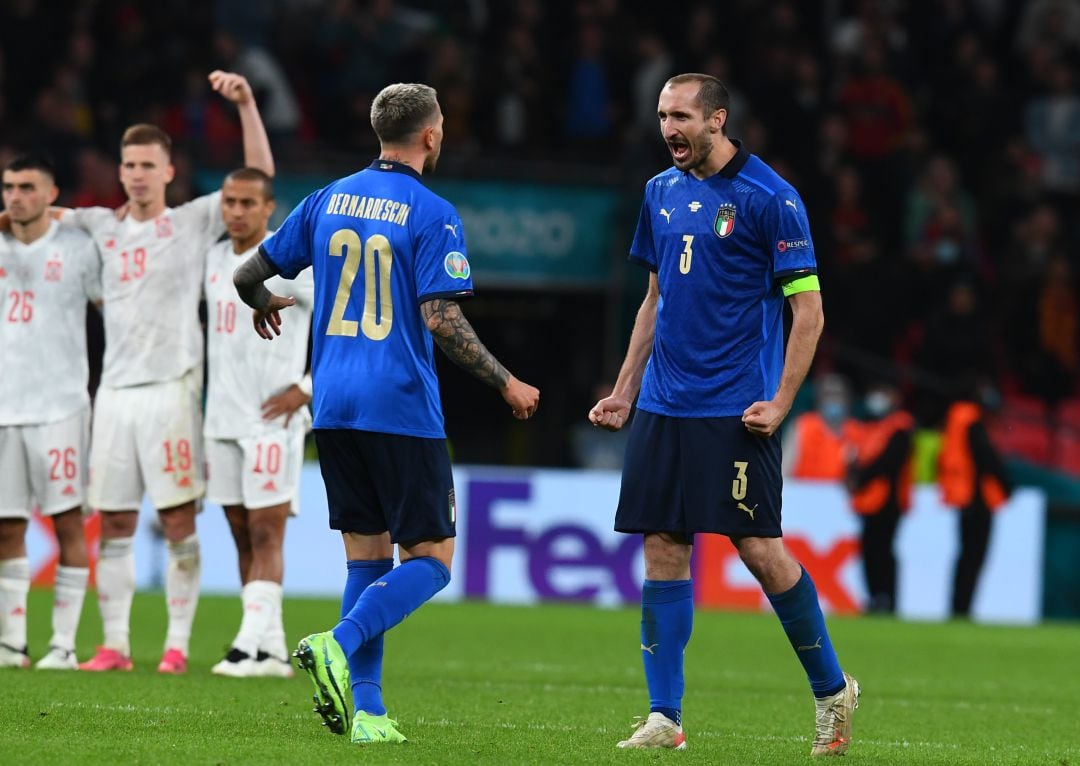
(390, 266)
(727, 242)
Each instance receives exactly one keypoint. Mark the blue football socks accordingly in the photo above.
(365, 664)
(800, 614)
(389, 600)
(667, 619)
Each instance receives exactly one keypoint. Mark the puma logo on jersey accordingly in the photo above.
(815, 645)
(649, 648)
(792, 203)
(452, 227)
(747, 509)
(666, 214)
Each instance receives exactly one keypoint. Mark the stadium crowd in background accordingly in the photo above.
(938, 153)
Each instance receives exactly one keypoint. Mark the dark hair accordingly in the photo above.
(33, 161)
(254, 174)
(144, 134)
(712, 94)
(401, 110)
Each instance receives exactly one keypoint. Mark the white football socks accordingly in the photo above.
(14, 585)
(68, 595)
(182, 591)
(116, 588)
(262, 605)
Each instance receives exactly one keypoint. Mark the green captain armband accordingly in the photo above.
(805, 284)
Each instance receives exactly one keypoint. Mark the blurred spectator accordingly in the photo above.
(1052, 125)
(1050, 24)
(588, 90)
(277, 103)
(879, 479)
(958, 346)
(939, 204)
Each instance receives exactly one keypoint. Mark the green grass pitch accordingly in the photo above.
(474, 683)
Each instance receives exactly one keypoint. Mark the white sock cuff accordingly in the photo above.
(188, 548)
(257, 588)
(15, 569)
(116, 548)
(72, 577)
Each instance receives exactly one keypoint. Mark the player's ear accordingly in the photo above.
(719, 120)
(271, 206)
(170, 173)
(54, 192)
(429, 137)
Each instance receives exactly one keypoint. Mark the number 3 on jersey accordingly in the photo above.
(687, 254)
(378, 300)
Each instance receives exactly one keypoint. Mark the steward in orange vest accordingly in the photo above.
(973, 479)
(820, 452)
(879, 480)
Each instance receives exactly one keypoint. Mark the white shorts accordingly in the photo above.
(44, 464)
(257, 471)
(147, 439)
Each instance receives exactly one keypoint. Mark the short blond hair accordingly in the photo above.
(402, 110)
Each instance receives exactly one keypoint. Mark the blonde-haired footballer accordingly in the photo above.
(147, 426)
(256, 419)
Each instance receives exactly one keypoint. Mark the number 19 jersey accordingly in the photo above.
(380, 243)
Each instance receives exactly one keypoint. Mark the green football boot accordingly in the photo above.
(321, 657)
(368, 729)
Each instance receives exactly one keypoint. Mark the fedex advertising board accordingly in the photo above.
(526, 536)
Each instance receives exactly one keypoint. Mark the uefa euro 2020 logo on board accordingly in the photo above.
(457, 265)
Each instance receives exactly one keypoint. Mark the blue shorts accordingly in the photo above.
(378, 482)
(688, 475)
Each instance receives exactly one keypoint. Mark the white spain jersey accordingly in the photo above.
(243, 369)
(44, 287)
(151, 278)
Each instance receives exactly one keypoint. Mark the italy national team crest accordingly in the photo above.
(725, 220)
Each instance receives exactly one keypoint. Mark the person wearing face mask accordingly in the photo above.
(879, 479)
(816, 445)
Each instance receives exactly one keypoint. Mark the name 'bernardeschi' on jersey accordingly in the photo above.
(380, 244)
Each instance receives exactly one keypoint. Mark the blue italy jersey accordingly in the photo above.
(720, 248)
(380, 243)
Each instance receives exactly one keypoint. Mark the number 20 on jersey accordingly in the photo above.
(378, 259)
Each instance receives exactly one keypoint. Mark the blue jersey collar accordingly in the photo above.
(396, 167)
(736, 163)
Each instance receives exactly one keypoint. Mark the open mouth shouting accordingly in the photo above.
(680, 150)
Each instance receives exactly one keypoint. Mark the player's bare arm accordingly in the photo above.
(249, 278)
(807, 322)
(285, 403)
(458, 340)
(236, 88)
(612, 412)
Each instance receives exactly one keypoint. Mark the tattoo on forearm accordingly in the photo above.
(456, 337)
